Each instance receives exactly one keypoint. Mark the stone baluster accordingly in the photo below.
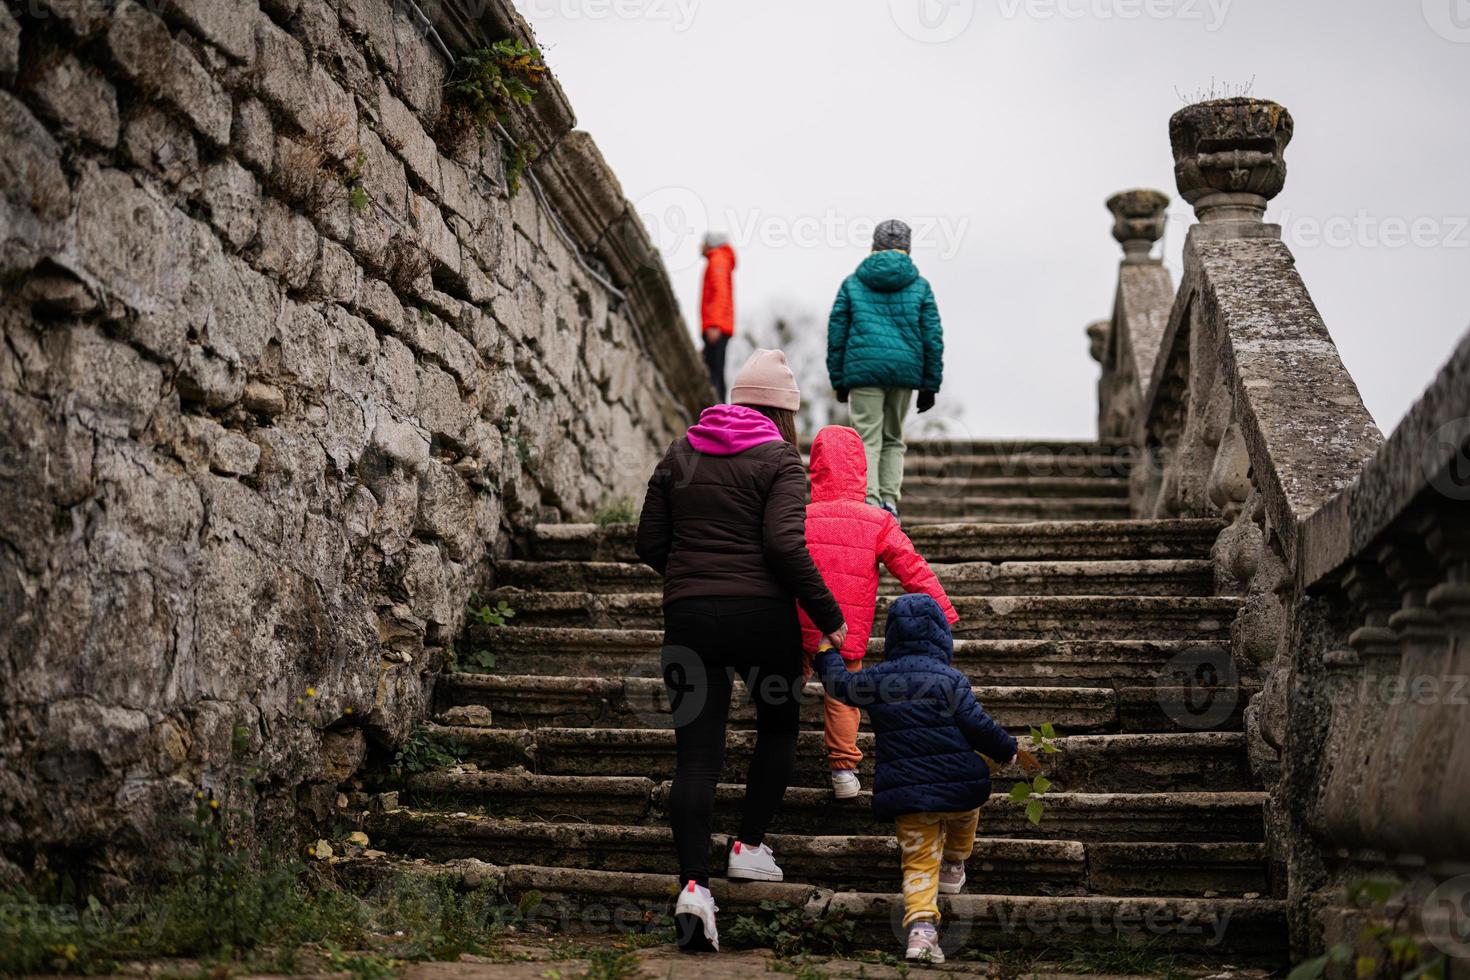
(1439, 756)
(1353, 676)
(1228, 162)
(1387, 818)
(1138, 222)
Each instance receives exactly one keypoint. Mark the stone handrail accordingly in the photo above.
(1346, 550)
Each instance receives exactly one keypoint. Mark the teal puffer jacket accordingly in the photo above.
(884, 331)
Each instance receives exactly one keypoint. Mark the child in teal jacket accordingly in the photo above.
(884, 342)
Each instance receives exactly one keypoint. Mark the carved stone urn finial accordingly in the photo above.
(1138, 222)
(1229, 157)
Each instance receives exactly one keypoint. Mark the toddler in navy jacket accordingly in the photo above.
(930, 778)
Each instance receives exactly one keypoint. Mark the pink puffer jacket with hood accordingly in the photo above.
(848, 538)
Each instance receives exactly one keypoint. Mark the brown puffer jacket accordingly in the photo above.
(725, 515)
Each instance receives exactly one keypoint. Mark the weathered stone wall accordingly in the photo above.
(260, 435)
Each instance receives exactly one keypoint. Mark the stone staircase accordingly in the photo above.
(1153, 832)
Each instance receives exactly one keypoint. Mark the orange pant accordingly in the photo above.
(841, 724)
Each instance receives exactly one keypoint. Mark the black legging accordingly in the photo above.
(706, 643)
(714, 360)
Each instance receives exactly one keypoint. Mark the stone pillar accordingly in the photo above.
(1229, 160)
(1138, 222)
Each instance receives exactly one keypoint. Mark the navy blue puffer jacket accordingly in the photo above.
(924, 713)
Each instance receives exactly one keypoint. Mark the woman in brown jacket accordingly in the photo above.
(724, 523)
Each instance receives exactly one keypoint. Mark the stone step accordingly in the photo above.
(1119, 817)
(1076, 464)
(928, 510)
(1131, 763)
(1006, 448)
(1242, 931)
(530, 701)
(1041, 541)
(981, 617)
(577, 652)
(1159, 577)
(537, 701)
(1015, 485)
(998, 865)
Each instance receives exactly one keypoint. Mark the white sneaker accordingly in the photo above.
(924, 944)
(845, 784)
(752, 864)
(694, 920)
(951, 877)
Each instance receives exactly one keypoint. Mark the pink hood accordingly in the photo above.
(728, 430)
(839, 465)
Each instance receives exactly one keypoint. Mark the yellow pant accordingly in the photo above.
(923, 839)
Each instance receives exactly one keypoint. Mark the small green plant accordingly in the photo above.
(488, 615)
(518, 159)
(788, 930)
(619, 511)
(1381, 950)
(487, 83)
(1031, 791)
(422, 752)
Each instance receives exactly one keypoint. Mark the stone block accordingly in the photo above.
(206, 378)
(378, 303)
(446, 509)
(30, 162)
(229, 26)
(9, 46)
(229, 193)
(231, 306)
(382, 174)
(163, 146)
(264, 399)
(114, 388)
(306, 353)
(372, 20)
(254, 135)
(141, 45)
(286, 244)
(337, 276)
(438, 405)
(303, 91)
(421, 69)
(403, 132)
(434, 235)
(130, 241)
(401, 442)
(397, 384)
(78, 98)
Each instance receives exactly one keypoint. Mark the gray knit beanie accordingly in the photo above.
(892, 234)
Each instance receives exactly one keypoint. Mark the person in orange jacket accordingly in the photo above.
(717, 308)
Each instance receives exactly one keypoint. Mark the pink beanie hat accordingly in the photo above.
(766, 380)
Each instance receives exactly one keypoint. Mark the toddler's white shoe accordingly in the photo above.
(845, 784)
(752, 864)
(951, 877)
(924, 944)
(694, 920)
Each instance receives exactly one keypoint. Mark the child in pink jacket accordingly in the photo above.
(847, 539)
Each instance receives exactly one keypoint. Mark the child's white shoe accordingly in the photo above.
(845, 784)
(694, 920)
(951, 877)
(924, 944)
(752, 864)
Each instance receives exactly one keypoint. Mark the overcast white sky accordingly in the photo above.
(1003, 125)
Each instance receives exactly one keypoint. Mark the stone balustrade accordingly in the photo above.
(1351, 553)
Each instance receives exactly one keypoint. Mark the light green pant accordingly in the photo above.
(877, 415)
